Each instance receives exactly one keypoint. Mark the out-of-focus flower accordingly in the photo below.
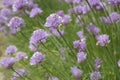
(38, 36)
(93, 29)
(103, 40)
(81, 57)
(77, 73)
(35, 11)
(15, 24)
(19, 4)
(11, 49)
(37, 58)
(21, 56)
(95, 76)
(8, 62)
(97, 64)
(81, 46)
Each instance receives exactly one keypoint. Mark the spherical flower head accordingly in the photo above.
(97, 64)
(81, 46)
(6, 12)
(8, 62)
(103, 40)
(19, 4)
(14, 78)
(21, 56)
(118, 63)
(78, 10)
(77, 73)
(95, 76)
(54, 20)
(85, 9)
(106, 20)
(66, 19)
(81, 57)
(35, 11)
(37, 58)
(15, 24)
(8, 3)
(21, 72)
(38, 36)
(114, 16)
(11, 49)
(53, 78)
(81, 35)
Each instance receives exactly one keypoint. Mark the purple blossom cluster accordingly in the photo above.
(11, 50)
(38, 37)
(114, 17)
(55, 20)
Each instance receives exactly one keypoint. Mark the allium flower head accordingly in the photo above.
(118, 63)
(19, 4)
(81, 35)
(8, 62)
(37, 58)
(54, 20)
(81, 57)
(97, 64)
(6, 12)
(103, 40)
(81, 46)
(38, 36)
(114, 16)
(21, 72)
(11, 49)
(95, 76)
(53, 78)
(3, 19)
(77, 73)
(35, 11)
(93, 29)
(21, 56)
(78, 1)
(15, 24)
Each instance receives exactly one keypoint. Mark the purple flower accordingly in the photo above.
(81, 35)
(54, 20)
(37, 58)
(8, 3)
(14, 78)
(6, 12)
(97, 64)
(3, 19)
(20, 73)
(94, 2)
(3, 29)
(21, 55)
(103, 40)
(38, 36)
(118, 63)
(114, 2)
(81, 46)
(8, 62)
(77, 73)
(35, 11)
(81, 57)
(11, 49)
(93, 29)
(19, 4)
(95, 76)
(53, 78)
(15, 24)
